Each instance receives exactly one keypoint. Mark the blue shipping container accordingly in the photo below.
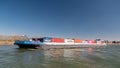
(47, 39)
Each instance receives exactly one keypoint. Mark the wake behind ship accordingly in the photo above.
(48, 42)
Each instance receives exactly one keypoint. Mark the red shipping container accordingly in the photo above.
(59, 40)
(89, 41)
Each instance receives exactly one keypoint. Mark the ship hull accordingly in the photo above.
(46, 47)
(35, 45)
(28, 46)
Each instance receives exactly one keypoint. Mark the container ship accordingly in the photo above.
(48, 42)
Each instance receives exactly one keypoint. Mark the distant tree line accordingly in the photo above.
(115, 41)
(112, 42)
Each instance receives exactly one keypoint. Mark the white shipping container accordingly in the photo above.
(69, 41)
(99, 42)
(84, 42)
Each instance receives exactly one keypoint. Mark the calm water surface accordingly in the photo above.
(105, 57)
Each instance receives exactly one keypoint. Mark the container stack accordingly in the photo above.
(69, 41)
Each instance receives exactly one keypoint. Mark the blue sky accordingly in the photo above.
(86, 19)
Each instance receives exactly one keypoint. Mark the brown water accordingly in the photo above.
(105, 57)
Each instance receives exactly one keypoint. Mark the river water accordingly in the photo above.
(104, 57)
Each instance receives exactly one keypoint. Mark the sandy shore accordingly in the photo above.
(6, 42)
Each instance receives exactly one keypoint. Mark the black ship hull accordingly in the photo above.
(28, 46)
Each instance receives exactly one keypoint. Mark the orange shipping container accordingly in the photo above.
(94, 41)
(102, 42)
(59, 40)
(77, 40)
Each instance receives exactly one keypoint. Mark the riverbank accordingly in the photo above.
(7, 42)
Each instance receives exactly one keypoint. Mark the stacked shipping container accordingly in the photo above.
(47, 40)
(91, 42)
(68, 41)
(58, 41)
(78, 41)
(85, 42)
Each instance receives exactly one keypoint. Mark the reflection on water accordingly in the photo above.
(66, 53)
(106, 57)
